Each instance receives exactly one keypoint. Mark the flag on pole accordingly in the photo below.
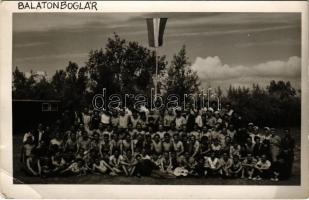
(156, 28)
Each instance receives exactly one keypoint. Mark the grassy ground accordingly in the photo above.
(20, 177)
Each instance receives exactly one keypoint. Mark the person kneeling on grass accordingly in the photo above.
(262, 168)
(248, 166)
(236, 168)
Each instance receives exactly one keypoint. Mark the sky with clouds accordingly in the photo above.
(224, 48)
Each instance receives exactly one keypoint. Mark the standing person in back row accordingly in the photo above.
(105, 118)
(275, 142)
(168, 118)
(179, 120)
(287, 150)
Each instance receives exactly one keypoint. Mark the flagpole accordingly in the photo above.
(156, 82)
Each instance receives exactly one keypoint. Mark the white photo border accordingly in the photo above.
(147, 191)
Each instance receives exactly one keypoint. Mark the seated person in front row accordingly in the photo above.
(262, 168)
(248, 166)
(236, 167)
(102, 167)
(212, 165)
(76, 168)
(115, 161)
(225, 165)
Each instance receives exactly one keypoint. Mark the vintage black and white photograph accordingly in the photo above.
(166, 98)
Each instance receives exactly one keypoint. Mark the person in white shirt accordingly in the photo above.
(253, 133)
(275, 142)
(134, 119)
(139, 130)
(262, 168)
(156, 145)
(115, 162)
(179, 120)
(235, 149)
(196, 132)
(199, 121)
(168, 119)
(231, 131)
(114, 119)
(56, 143)
(218, 118)
(177, 145)
(212, 165)
(105, 118)
(161, 131)
(28, 134)
(123, 120)
(267, 135)
(225, 164)
(216, 147)
(86, 116)
(215, 133)
(127, 111)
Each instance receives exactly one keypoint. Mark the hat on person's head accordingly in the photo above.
(250, 124)
(266, 128)
(210, 109)
(216, 112)
(178, 109)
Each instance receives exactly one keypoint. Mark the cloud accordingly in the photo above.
(212, 69)
(30, 44)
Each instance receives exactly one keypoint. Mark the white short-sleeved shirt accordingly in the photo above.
(105, 119)
(179, 121)
(123, 121)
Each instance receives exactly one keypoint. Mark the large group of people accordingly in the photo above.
(168, 143)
